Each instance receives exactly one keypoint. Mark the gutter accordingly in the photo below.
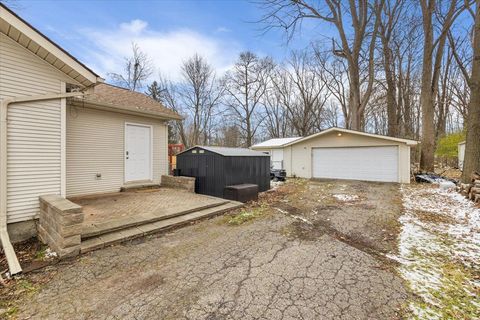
(13, 264)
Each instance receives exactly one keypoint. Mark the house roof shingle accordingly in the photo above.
(124, 99)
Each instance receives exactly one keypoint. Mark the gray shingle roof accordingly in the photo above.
(125, 99)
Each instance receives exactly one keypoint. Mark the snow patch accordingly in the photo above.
(50, 254)
(302, 219)
(440, 228)
(294, 216)
(346, 197)
(275, 184)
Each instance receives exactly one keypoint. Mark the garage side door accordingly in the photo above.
(362, 163)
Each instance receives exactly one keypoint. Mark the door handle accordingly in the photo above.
(127, 154)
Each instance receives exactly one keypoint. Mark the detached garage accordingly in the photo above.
(346, 154)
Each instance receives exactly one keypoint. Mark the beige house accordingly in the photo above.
(338, 153)
(63, 131)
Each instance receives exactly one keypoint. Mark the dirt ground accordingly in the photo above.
(449, 172)
(307, 250)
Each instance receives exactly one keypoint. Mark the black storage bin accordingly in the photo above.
(241, 192)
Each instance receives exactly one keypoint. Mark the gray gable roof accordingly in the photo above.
(231, 152)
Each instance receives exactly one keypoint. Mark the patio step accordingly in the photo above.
(98, 229)
(118, 236)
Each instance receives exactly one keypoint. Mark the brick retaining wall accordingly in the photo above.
(60, 225)
(187, 183)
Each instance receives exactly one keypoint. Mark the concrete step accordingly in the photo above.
(139, 187)
(109, 226)
(118, 236)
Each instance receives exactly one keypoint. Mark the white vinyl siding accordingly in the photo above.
(34, 129)
(95, 144)
(276, 158)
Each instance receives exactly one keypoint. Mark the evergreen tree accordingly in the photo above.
(154, 91)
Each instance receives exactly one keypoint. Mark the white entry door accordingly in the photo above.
(277, 158)
(361, 163)
(138, 153)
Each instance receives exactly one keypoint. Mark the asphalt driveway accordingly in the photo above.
(312, 250)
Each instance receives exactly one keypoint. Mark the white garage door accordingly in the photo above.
(362, 163)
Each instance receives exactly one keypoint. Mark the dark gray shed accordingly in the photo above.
(217, 167)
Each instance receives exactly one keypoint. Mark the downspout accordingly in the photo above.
(13, 264)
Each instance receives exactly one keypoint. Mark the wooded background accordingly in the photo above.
(394, 67)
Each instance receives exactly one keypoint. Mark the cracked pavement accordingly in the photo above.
(274, 267)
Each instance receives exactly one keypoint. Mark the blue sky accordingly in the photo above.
(99, 33)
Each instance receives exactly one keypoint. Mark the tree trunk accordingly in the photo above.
(472, 146)
(391, 102)
(355, 113)
(426, 97)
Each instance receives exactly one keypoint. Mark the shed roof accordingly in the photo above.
(360, 133)
(275, 142)
(231, 152)
(123, 99)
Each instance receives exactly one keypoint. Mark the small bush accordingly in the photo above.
(248, 214)
(447, 146)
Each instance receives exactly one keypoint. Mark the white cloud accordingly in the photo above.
(135, 26)
(167, 50)
(222, 29)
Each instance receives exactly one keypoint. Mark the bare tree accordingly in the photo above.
(331, 114)
(245, 87)
(137, 69)
(336, 80)
(165, 92)
(309, 88)
(405, 53)
(444, 96)
(199, 96)
(433, 49)
(472, 146)
(230, 136)
(275, 121)
(461, 47)
(390, 19)
(358, 49)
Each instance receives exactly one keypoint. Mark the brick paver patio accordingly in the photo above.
(112, 210)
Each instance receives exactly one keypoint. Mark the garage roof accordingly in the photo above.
(276, 142)
(360, 133)
(231, 152)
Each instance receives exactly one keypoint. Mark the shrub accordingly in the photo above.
(447, 146)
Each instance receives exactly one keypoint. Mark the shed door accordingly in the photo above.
(277, 158)
(359, 163)
(138, 153)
